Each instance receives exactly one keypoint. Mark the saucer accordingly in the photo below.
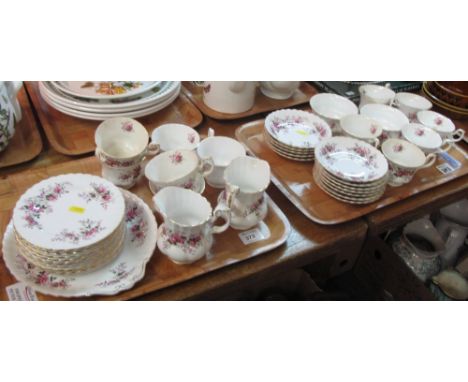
(119, 275)
(198, 186)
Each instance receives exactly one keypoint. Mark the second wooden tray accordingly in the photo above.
(295, 180)
(73, 136)
(161, 272)
(263, 104)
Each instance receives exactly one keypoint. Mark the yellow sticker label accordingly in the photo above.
(76, 209)
(303, 132)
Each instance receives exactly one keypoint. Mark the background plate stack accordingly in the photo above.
(70, 223)
(350, 170)
(293, 134)
(100, 100)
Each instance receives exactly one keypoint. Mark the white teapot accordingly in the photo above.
(229, 97)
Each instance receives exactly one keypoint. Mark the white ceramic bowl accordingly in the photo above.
(332, 107)
(392, 120)
(175, 136)
(362, 127)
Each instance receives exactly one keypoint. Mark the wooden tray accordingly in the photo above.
(262, 103)
(295, 180)
(26, 144)
(161, 272)
(73, 136)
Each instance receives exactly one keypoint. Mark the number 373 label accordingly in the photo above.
(260, 232)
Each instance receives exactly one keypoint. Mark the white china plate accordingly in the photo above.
(104, 89)
(121, 274)
(351, 159)
(363, 186)
(297, 128)
(150, 98)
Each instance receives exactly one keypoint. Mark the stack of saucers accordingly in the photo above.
(350, 170)
(293, 134)
(99, 100)
(70, 224)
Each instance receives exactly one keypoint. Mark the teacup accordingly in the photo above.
(376, 94)
(9, 91)
(404, 160)
(331, 108)
(222, 150)
(362, 127)
(410, 104)
(246, 180)
(425, 138)
(181, 168)
(187, 232)
(392, 120)
(279, 89)
(230, 97)
(175, 136)
(440, 123)
(7, 122)
(121, 146)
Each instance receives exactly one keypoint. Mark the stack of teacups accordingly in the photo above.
(293, 134)
(70, 223)
(122, 145)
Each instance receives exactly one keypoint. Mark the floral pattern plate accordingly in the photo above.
(69, 212)
(121, 274)
(297, 128)
(105, 89)
(351, 159)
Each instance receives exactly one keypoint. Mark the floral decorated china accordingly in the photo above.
(362, 127)
(175, 136)
(197, 185)
(297, 128)
(7, 123)
(8, 93)
(222, 150)
(410, 104)
(332, 107)
(120, 275)
(405, 159)
(189, 224)
(427, 139)
(279, 89)
(105, 89)
(440, 123)
(177, 168)
(392, 120)
(372, 93)
(351, 159)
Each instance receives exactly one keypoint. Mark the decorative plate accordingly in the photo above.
(104, 89)
(69, 212)
(297, 128)
(120, 275)
(351, 159)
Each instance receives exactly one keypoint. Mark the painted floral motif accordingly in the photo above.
(189, 184)
(187, 243)
(412, 116)
(278, 124)
(419, 132)
(127, 126)
(176, 158)
(119, 272)
(373, 129)
(88, 230)
(41, 277)
(99, 193)
(438, 121)
(398, 148)
(116, 87)
(321, 129)
(191, 137)
(327, 149)
(254, 208)
(366, 153)
(384, 136)
(35, 206)
(207, 88)
(5, 135)
(117, 163)
(131, 175)
(136, 223)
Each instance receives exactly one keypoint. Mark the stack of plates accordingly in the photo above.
(350, 170)
(102, 100)
(294, 134)
(70, 223)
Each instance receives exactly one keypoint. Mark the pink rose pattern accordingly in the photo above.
(373, 129)
(438, 121)
(278, 124)
(89, 228)
(119, 273)
(191, 137)
(419, 132)
(131, 175)
(41, 277)
(188, 244)
(128, 127)
(176, 158)
(99, 193)
(35, 206)
(398, 148)
(136, 222)
(118, 163)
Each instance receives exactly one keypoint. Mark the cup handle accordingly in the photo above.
(230, 194)
(98, 153)
(206, 166)
(211, 132)
(460, 133)
(153, 149)
(430, 159)
(221, 211)
(446, 146)
(375, 142)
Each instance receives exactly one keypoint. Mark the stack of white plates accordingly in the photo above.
(101, 100)
(350, 170)
(293, 134)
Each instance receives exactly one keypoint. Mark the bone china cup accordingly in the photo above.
(246, 180)
(121, 146)
(392, 120)
(279, 89)
(180, 168)
(410, 104)
(189, 224)
(376, 94)
(362, 127)
(425, 138)
(404, 159)
(440, 123)
(331, 108)
(175, 136)
(229, 97)
(222, 150)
